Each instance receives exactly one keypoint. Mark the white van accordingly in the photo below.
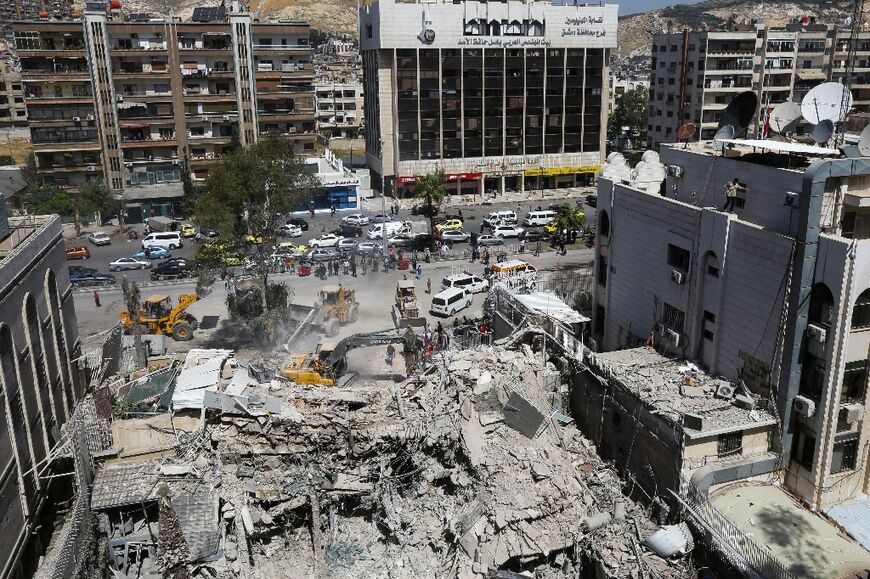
(472, 283)
(539, 218)
(376, 231)
(500, 218)
(164, 239)
(450, 301)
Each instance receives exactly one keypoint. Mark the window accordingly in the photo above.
(678, 257)
(861, 311)
(854, 382)
(709, 316)
(729, 444)
(673, 318)
(708, 335)
(604, 224)
(844, 455)
(368, 30)
(803, 448)
(713, 271)
(812, 377)
(821, 305)
(602, 271)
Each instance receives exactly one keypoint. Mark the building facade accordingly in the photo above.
(13, 111)
(339, 109)
(137, 101)
(695, 74)
(773, 295)
(39, 380)
(498, 95)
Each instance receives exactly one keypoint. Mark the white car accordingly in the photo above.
(368, 247)
(503, 231)
(325, 240)
(455, 236)
(472, 283)
(356, 219)
(99, 238)
(129, 263)
(290, 230)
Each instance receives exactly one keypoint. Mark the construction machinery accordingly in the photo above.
(338, 306)
(326, 366)
(406, 311)
(157, 315)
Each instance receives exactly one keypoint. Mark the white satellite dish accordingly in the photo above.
(827, 101)
(823, 131)
(864, 142)
(784, 117)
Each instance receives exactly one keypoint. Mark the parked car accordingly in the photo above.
(168, 239)
(422, 241)
(153, 252)
(299, 222)
(507, 231)
(290, 230)
(450, 301)
(91, 279)
(78, 253)
(171, 271)
(424, 210)
(380, 218)
(367, 247)
(74, 269)
(100, 238)
(125, 263)
(355, 219)
(472, 283)
(348, 230)
(535, 234)
(449, 224)
(188, 230)
(320, 254)
(325, 240)
(290, 248)
(179, 261)
(483, 240)
(592, 200)
(401, 240)
(346, 244)
(455, 236)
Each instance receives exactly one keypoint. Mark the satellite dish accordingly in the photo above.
(822, 132)
(724, 132)
(829, 100)
(864, 142)
(739, 113)
(784, 117)
(686, 131)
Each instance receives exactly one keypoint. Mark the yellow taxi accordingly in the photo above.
(289, 248)
(188, 230)
(553, 226)
(449, 224)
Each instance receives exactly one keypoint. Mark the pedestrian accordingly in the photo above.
(401, 255)
(365, 264)
(375, 262)
(391, 351)
(538, 248)
(353, 267)
(518, 209)
(481, 227)
(332, 209)
(345, 265)
(311, 211)
(562, 246)
(419, 271)
(429, 285)
(97, 299)
(522, 245)
(414, 260)
(427, 257)
(731, 190)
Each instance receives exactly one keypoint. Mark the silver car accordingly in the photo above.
(320, 254)
(129, 263)
(346, 244)
(455, 236)
(489, 240)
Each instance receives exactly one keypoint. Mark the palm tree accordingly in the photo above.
(430, 187)
(569, 218)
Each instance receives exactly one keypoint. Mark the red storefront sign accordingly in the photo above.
(449, 178)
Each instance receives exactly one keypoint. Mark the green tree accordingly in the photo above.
(249, 193)
(631, 111)
(568, 218)
(92, 197)
(49, 199)
(430, 188)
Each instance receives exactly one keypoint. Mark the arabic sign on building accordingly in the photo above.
(584, 26)
(449, 178)
(549, 172)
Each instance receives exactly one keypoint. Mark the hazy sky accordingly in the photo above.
(633, 6)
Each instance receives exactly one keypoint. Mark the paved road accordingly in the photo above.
(374, 292)
(322, 222)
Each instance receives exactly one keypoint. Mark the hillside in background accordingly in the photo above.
(636, 30)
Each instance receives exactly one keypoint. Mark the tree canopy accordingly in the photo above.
(632, 111)
(430, 188)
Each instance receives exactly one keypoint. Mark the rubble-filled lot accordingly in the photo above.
(465, 470)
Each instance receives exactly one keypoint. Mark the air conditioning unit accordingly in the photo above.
(725, 391)
(205, 118)
(673, 337)
(128, 164)
(90, 117)
(659, 329)
(791, 199)
(854, 413)
(92, 168)
(176, 162)
(804, 406)
(77, 119)
(678, 276)
(226, 117)
(675, 171)
(817, 333)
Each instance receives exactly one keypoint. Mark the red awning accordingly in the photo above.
(449, 177)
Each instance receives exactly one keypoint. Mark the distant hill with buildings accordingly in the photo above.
(636, 30)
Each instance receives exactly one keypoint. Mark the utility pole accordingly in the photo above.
(131, 298)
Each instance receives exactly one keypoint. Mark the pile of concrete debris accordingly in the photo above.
(468, 469)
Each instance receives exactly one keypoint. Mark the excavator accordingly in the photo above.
(326, 366)
(158, 316)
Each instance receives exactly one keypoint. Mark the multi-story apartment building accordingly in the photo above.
(774, 295)
(13, 111)
(339, 109)
(695, 74)
(621, 85)
(39, 383)
(496, 94)
(137, 100)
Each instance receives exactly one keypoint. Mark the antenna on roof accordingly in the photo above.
(739, 113)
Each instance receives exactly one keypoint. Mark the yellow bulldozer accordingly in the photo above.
(311, 368)
(157, 315)
(339, 306)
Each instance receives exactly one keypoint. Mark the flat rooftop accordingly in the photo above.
(20, 230)
(674, 388)
(806, 543)
(783, 155)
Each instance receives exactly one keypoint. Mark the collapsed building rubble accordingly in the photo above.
(466, 469)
